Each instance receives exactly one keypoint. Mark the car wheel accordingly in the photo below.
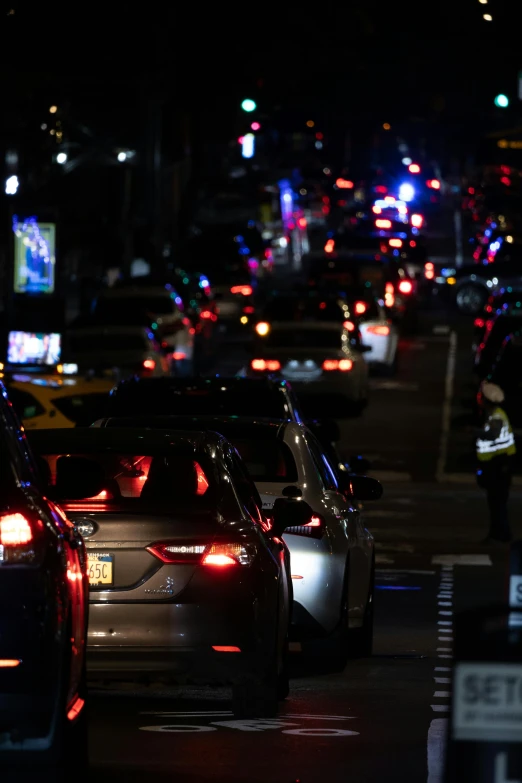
(361, 642)
(471, 299)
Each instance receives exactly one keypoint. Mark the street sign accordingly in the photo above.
(485, 733)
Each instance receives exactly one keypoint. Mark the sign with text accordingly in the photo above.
(487, 702)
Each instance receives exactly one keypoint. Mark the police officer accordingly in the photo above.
(495, 447)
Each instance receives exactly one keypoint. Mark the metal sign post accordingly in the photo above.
(485, 735)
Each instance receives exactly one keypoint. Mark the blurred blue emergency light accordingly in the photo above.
(406, 192)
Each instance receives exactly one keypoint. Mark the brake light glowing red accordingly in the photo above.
(389, 295)
(480, 323)
(414, 168)
(329, 247)
(248, 310)
(301, 222)
(344, 184)
(178, 356)
(149, 364)
(383, 223)
(417, 221)
(314, 522)
(225, 648)
(360, 308)
(261, 365)
(381, 189)
(434, 184)
(405, 286)
(216, 559)
(349, 326)
(245, 290)
(202, 482)
(9, 663)
(376, 210)
(395, 243)
(76, 708)
(15, 530)
(342, 365)
(207, 315)
(382, 331)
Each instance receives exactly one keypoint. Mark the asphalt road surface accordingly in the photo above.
(383, 718)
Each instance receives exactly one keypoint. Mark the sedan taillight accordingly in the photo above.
(265, 365)
(18, 538)
(217, 554)
(341, 365)
(313, 529)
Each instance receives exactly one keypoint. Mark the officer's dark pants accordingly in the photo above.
(497, 485)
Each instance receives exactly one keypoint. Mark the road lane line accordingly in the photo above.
(443, 680)
(445, 612)
(436, 737)
(446, 408)
(443, 669)
(444, 656)
(440, 707)
(442, 694)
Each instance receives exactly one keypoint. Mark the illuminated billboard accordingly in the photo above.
(34, 348)
(34, 256)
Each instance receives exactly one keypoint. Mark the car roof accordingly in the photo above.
(123, 440)
(199, 384)
(234, 426)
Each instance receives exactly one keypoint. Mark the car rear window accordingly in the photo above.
(303, 338)
(132, 479)
(303, 309)
(157, 401)
(267, 459)
(82, 409)
(101, 343)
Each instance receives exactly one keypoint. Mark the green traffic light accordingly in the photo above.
(502, 101)
(248, 105)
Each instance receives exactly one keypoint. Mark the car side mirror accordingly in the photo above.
(290, 512)
(77, 478)
(358, 465)
(363, 487)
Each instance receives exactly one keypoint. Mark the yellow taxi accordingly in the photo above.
(57, 400)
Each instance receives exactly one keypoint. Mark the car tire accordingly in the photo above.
(470, 299)
(361, 642)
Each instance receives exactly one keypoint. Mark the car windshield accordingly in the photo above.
(267, 460)
(161, 401)
(101, 343)
(134, 479)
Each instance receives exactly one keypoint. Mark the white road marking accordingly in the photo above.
(436, 737)
(446, 408)
(178, 729)
(443, 649)
(461, 560)
(448, 594)
(444, 656)
(261, 724)
(442, 680)
(440, 707)
(322, 732)
(445, 603)
(442, 694)
(395, 547)
(442, 329)
(394, 385)
(404, 571)
(445, 638)
(443, 669)
(445, 612)
(444, 622)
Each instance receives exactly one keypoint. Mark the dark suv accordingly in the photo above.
(44, 607)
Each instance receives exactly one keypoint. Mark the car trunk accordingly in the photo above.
(121, 567)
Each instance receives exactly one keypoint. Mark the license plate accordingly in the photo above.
(100, 568)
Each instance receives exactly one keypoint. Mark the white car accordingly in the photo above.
(124, 350)
(377, 330)
(332, 557)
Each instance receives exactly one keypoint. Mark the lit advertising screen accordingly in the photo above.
(34, 256)
(34, 348)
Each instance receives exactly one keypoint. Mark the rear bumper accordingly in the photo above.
(170, 664)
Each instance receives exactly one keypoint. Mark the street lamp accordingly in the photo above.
(11, 185)
(502, 101)
(122, 157)
(61, 158)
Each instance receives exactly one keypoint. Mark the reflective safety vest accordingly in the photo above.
(503, 444)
